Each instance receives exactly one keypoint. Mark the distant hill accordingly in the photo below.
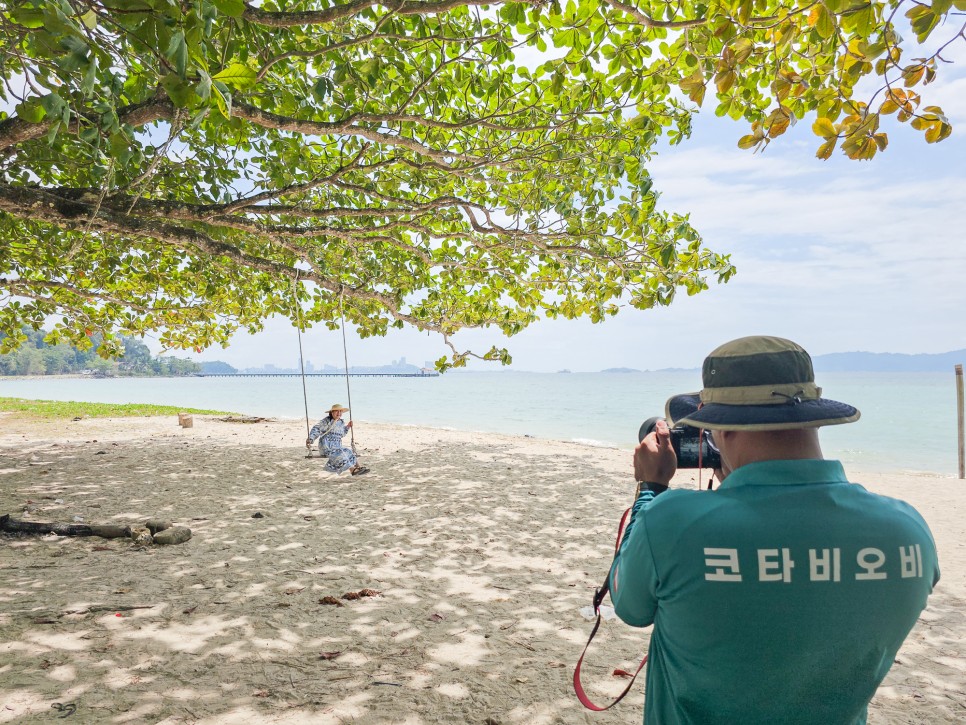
(874, 362)
(217, 367)
(35, 356)
(620, 370)
(888, 362)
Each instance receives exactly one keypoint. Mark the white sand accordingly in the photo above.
(484, 549)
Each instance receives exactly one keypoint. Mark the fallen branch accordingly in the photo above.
(152, 531)
(95, 609)
(107, 531)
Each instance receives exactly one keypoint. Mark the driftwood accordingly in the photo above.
(140, 533)
(107, 531)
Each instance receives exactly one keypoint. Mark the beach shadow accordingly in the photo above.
(479, 559)
(482, 561)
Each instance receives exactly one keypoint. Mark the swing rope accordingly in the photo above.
(298, 326)
(345, 357)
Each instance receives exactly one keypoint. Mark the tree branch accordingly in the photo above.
(289, 19)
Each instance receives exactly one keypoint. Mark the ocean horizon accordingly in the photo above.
(908, 420)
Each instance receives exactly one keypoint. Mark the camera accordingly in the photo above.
(690, 444)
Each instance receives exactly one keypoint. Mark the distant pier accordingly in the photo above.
(316, 375)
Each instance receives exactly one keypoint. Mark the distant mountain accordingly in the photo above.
(888, 362)
(620, 370)
(873, 362)
(217, 367)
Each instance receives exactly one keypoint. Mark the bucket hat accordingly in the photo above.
(336, 406)
(758, 383)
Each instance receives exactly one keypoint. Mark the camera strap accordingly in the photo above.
(599, 595)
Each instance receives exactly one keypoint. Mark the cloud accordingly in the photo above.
(950, 95)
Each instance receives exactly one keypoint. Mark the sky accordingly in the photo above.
(837, 255)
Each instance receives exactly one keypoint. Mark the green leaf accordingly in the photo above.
(231, 8)
(179, 90)
(203, 87)
(923, 19)
(557, 84)
(237, 75)
(53, 104)
(322, 89)
(27, 17)
(177, 52)
(90, 77)
(222, 96)
(120, 147)
(31, 110)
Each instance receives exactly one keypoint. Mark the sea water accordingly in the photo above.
(908, 419)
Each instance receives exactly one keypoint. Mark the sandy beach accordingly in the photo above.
(480, 552)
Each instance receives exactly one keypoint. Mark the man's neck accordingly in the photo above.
(788, 445)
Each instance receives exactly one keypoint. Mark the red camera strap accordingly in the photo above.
(599, 595)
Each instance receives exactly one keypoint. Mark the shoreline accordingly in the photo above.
(854, 471)
(483, 548)
(547, 408)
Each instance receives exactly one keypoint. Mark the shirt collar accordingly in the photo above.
(786, 473)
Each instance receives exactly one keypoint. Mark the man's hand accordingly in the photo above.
(654, 458)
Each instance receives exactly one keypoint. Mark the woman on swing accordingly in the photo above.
(330, 431)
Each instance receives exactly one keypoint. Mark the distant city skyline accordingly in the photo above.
(311, 367)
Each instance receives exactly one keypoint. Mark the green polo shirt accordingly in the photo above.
(781, 597)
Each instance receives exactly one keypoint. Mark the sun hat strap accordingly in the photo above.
(761, 394)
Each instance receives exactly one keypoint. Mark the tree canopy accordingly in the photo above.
(193, 167)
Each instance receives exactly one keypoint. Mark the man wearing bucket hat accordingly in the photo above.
(783, 595)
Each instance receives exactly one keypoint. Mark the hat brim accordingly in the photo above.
(683, 410)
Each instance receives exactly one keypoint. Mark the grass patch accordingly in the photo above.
(78, 409)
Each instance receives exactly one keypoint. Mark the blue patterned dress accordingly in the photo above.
(330, 445)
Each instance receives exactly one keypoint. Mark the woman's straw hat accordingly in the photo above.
(337, 406)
